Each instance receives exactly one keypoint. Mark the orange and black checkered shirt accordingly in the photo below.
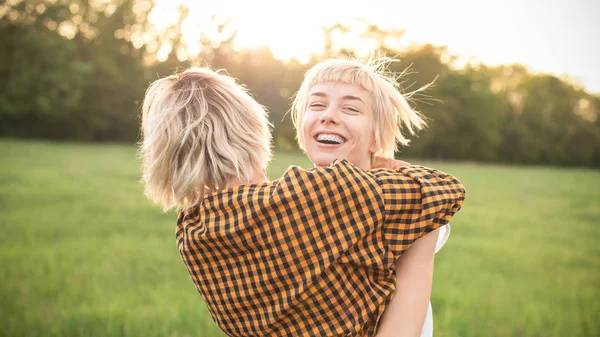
(311, 254)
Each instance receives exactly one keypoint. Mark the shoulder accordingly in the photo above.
(340, 176)
(429, 180)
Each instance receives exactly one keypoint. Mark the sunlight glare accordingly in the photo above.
(467, 27)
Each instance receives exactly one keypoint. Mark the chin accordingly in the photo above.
(322, 159)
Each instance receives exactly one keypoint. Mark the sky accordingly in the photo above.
(559, 37)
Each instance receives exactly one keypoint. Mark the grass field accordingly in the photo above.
(83, 253)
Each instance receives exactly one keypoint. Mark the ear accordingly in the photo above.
(373, 147)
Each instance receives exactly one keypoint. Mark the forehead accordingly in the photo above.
(336, 90)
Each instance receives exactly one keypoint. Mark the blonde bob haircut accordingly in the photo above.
(392, 113)
(200, 130)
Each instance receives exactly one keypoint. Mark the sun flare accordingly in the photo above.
(294, 29)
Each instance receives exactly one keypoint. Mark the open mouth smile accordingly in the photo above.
(329, 139)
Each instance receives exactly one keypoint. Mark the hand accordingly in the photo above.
(389, 163)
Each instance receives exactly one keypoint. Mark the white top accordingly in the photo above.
(428, 325)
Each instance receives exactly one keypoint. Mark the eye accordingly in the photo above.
(352, 109)
(316, 105)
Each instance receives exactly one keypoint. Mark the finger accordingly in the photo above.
(379, 162)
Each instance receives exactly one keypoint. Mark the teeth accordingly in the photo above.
(330, 137)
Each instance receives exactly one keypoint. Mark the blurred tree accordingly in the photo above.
(78, 70)
(113, 94)
(72, 70)
(41, 82)
(467, 124)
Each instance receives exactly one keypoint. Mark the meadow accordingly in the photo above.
(84, 253)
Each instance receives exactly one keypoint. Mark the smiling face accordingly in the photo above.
(339, 123)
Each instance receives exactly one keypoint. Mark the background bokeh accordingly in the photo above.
(83, 253)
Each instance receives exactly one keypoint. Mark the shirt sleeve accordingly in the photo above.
(444, 235)
(417, 201)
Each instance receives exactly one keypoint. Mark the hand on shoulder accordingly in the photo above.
(389, 163)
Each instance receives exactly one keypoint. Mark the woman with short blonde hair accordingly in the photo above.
(356, 111)
(391, 109)
(201, 131)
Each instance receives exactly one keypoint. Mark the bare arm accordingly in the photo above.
(406, 312)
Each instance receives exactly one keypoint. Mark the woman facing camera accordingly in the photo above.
(309, 254)
(347, 109)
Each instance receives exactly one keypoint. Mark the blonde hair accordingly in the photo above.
(390, 107)
(199, 131)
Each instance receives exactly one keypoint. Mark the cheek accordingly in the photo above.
(308, 120)
(364, 130)
(369, 131)
(306, 124)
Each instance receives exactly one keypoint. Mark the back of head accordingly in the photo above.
(200, 130)
(391, 109)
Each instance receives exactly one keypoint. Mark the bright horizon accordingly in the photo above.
(547, 36)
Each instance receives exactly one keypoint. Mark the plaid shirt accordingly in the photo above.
(311, 254)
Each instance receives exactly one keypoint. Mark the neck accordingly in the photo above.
(364, 165)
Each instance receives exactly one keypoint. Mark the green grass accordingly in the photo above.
(83, 253)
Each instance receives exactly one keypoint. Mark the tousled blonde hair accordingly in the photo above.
(200, 130)
(390, 107)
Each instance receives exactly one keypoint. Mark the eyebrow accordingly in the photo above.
(355, 98)
(349, 97)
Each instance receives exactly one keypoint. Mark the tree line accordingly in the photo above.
(77, 70)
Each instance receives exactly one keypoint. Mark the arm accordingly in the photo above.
(406, 312)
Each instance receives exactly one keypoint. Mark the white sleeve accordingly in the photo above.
(427, 330)
(428, 324)
(443, 237)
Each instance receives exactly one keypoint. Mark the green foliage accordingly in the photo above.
(88, 86)
(114, 95)
(78, 70)
(84, 253)
(42, 83)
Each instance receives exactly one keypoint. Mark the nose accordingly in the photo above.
(329, 116)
